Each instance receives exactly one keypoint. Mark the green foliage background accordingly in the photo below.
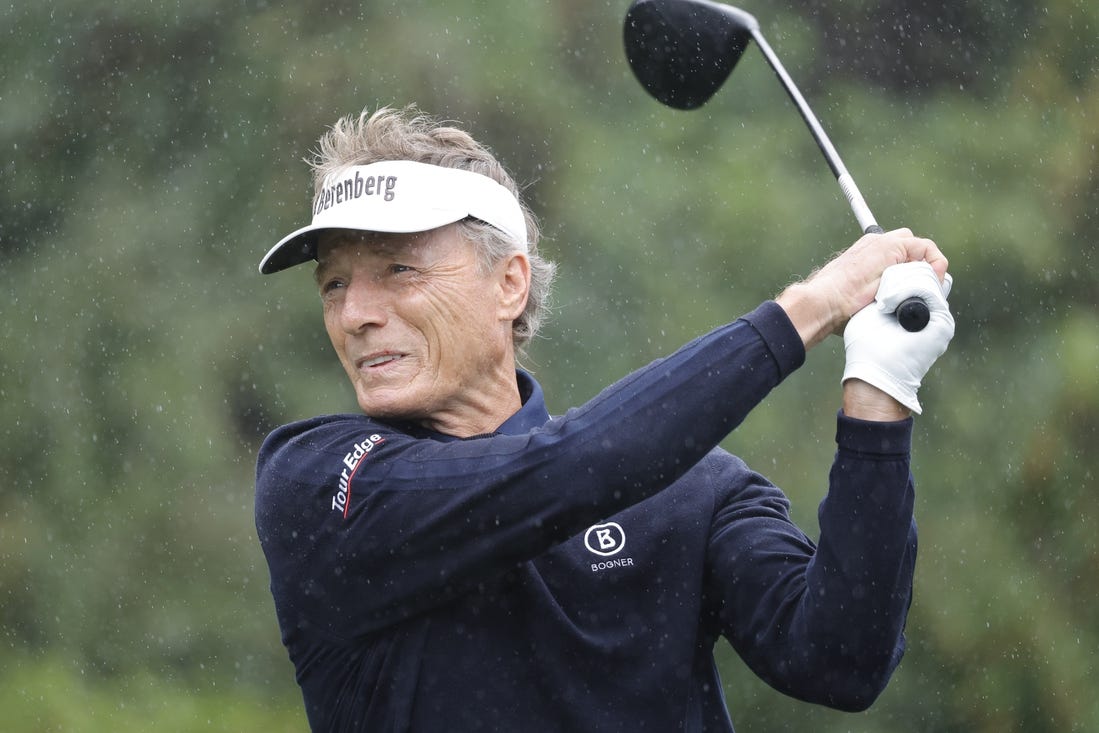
(151, 152)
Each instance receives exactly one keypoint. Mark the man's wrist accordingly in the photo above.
(811, 317)
(864, 401)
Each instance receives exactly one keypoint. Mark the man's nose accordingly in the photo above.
(364, 305)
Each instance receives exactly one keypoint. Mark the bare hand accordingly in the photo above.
(824, 302)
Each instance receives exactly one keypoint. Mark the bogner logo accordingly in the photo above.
(606, 540)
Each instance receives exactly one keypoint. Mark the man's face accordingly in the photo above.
(423, 333)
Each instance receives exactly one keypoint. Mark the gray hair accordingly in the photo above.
(407, 134)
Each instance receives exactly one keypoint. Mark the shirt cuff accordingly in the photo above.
(872, 438)
(779, 335)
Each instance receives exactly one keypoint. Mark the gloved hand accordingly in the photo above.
(881, 352)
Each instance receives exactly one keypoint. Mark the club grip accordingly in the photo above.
(913, 314)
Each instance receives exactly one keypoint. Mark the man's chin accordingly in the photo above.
(382, 409)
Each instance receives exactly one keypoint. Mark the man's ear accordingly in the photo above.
(514, 286)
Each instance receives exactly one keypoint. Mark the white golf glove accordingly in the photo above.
(881, 352)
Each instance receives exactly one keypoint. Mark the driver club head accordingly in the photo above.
(682, 51)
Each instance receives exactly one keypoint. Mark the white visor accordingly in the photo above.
(400, 196)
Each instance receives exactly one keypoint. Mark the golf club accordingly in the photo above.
(682, 51)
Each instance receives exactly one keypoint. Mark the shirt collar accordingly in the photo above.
(533, 414)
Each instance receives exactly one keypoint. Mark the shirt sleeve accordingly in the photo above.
(420, 520)
(822, 622)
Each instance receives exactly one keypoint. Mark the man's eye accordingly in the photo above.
(398, 269)
(331, 285)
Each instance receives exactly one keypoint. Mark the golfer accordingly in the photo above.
(454, 558)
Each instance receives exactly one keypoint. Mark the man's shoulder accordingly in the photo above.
(321, 435)
(319, 425)
(719, 464)
(308, 462)
(729, 480)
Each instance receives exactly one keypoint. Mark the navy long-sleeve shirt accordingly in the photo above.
(574, 573)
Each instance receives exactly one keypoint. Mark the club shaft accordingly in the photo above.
(847, 184)
(913, 313)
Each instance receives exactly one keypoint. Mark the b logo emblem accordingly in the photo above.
(605, 539)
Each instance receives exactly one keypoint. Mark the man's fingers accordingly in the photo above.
(925, 250)
(921, 249)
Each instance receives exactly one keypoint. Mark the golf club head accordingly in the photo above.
(682, 51)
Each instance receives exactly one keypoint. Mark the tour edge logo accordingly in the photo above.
(606, 540)
(351, 462)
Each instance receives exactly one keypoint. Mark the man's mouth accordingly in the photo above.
(378, 360)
